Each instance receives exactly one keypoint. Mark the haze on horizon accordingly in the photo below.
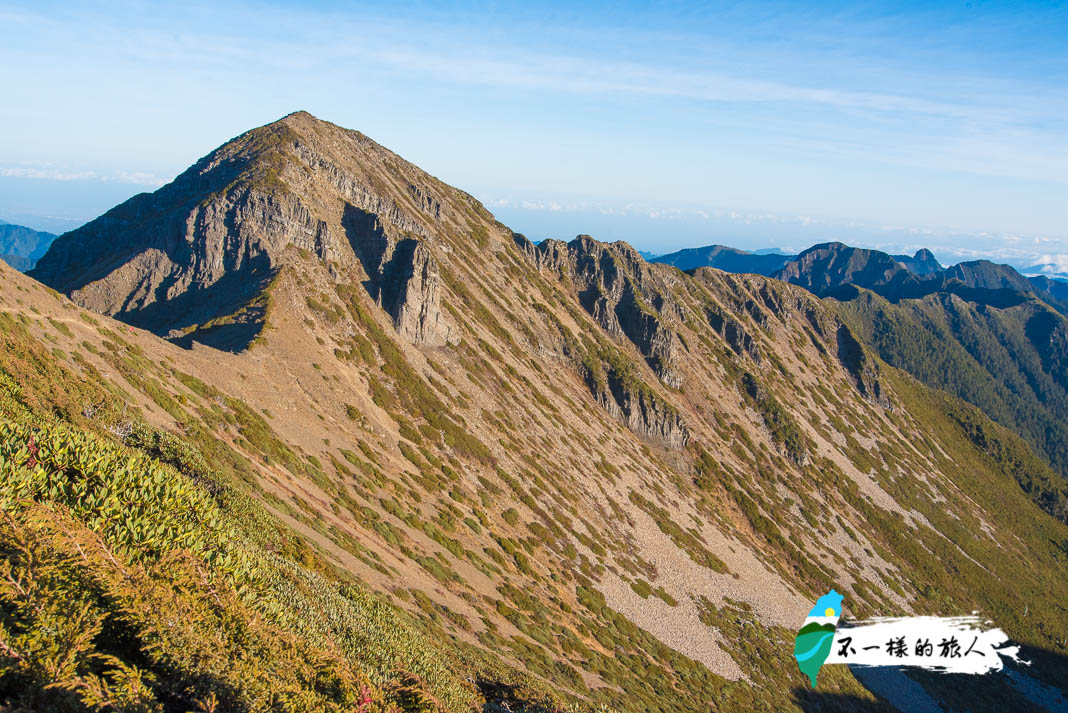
(757, 126)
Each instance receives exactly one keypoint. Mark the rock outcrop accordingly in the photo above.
(403, 277)
(733, 332)
(636, 405)
(614, 286)
(861, 367)
(196, 253)
(416, 308)
(618, 289)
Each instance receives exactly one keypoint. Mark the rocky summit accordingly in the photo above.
(191, 259)
(383, 453)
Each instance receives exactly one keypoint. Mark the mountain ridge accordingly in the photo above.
(977, 329)
(233, 214)
(725, 258)
(22, 247)
(923, 262)
(625, 480)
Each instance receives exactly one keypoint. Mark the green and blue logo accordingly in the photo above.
(815, 639)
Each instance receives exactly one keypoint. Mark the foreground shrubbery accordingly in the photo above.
(134, 578)
(84, 629)
(127, 586)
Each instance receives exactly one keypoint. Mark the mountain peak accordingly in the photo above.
(923, 263)
(300, 115)
(728, 259)
(207, 245)
(826, 267)
(310, 127)
(987, 275)
(832, 246)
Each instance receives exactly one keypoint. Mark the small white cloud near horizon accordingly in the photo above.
(136, 178)
(1022, 251)
(1053, 263)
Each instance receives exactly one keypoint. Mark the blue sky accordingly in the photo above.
(666, 124)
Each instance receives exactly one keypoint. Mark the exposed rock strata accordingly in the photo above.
(208, 244)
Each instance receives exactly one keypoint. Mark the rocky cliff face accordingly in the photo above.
(402, 277)
(640, 305)
(615, 286)
(192, 256)
(733, 331)
(638, 407)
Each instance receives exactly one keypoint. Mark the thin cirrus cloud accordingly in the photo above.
(995, 130)
(425, 49)
(957, 100)
(949, 122)
(581, 75)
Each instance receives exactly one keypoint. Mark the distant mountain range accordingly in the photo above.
(979, 330)
(1045, 269)
(22, 247)
(727, 259)
(770, 260)
(827, 268)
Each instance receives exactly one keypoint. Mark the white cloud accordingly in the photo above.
(56, 174)
(1055, 262)
(50, 174)
(139, 178)
(799, 231)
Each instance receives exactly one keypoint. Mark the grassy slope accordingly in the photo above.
(983, 355)
(136, 576)
(553, 635)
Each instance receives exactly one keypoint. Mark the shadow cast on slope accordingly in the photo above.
(222, 314)
(206, 311)
(387, 262)
(369, 241)
(1041, 687)
(228, 336)
(811, 701)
